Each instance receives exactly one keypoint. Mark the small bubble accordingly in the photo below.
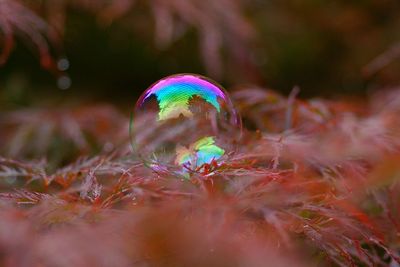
(64, 82)
(63, 64)
(108, 147)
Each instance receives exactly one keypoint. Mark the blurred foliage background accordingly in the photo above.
(313, 181)
(116, 49)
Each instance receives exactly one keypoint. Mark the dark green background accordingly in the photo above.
(320, 46)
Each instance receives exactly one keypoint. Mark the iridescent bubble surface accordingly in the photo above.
(183, 122)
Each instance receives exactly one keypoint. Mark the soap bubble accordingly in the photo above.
(63, 64)
(183, 122)
(64, 82)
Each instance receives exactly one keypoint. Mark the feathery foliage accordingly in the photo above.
(317, 184)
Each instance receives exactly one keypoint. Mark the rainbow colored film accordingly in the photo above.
(173, 95)
(201, 152)
(183, 122)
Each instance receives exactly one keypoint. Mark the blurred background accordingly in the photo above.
(113, 50)
(318, 172)
(71, 70)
